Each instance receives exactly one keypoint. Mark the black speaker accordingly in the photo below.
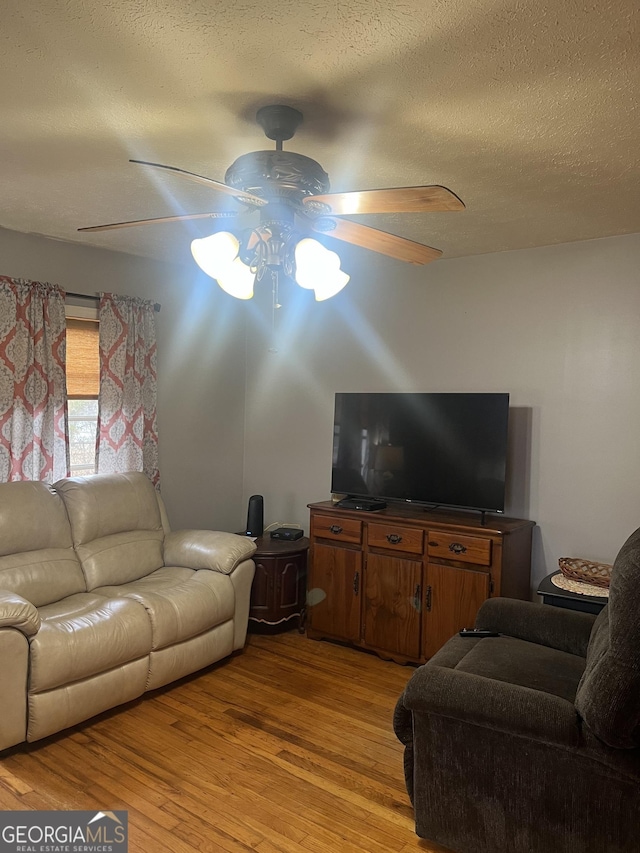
(255, 516)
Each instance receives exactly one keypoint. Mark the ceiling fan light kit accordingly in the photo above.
(237, 264)
(290, 194)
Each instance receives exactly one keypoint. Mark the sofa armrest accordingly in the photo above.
(565, 630)
(16, 612)
(497, 705)
(207, 549)
(14, 654)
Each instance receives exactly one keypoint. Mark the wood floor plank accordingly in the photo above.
(286, 747)
(12, 783)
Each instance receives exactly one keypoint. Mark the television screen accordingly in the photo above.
(437, 449)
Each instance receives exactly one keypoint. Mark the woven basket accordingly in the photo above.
(585, 571)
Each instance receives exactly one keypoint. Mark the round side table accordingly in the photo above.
(278, 593)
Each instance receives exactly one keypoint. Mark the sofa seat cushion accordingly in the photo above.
(83, 635)
(526, 664)
(180, 602)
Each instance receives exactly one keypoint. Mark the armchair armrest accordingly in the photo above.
(17, 612)
(207, 549)
(497, 705)
(565, 630)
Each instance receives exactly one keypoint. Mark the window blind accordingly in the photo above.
(83, 358)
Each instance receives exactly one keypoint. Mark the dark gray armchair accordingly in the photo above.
(529, 742)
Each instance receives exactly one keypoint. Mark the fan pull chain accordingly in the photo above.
(275, 304)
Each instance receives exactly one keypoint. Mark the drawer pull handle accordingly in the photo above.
(457, 548)
(394, 538)
(335, 528)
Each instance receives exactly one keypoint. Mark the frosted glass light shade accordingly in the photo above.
(307, 253)
(318, 269)
(330, 286)
(217, 256)
(237, 280)
(214, 253)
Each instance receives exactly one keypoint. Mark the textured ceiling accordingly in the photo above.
(527, 110)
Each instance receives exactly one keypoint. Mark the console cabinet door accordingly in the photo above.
(392, 605)
(452, 599)
(334, 591)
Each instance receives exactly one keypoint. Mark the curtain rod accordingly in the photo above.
(156, 305)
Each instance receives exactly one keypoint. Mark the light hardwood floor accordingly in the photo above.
(285, 748)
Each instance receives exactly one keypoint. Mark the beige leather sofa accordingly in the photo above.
(100, 601)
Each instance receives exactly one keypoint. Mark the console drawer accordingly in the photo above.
(341, 529)
(453, 546)
(406, 539)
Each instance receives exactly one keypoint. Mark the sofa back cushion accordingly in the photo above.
(37, 560)
(608, 697)
(115, 526)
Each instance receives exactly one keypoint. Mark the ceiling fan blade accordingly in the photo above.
(238, 194)
(398, 200)
(223, 214)
(378, 241)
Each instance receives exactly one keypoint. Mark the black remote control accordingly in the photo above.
(478, 632)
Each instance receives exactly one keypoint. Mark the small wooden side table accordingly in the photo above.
(278, 593)
(552, 594)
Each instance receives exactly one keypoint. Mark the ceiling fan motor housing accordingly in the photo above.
(277, 173)
(285, 187)
(279, 121)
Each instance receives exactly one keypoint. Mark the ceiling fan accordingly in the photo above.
(290, 194)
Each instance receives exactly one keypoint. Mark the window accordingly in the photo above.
(83, 383)
(83, 426)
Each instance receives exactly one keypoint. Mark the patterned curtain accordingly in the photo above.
(127, 429)
(34, 443)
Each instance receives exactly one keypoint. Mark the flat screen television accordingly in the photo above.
(434, 449)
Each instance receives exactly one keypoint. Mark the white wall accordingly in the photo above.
(556, 327)
(201, 368)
